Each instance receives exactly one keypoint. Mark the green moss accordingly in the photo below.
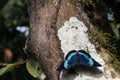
(114, 62)
(101, 33)
(85, 2)
(101, 39)
(74, 2)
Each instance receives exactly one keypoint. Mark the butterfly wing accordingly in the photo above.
(74, 58)
(70, 53)
(96, 64)
(61, 67)
(85, 59)
(83, 51)
(70, 59)
(82, 59)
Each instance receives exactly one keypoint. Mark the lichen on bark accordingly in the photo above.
(73, 35)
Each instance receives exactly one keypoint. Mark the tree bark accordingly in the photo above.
(43, 42)
(46, 18)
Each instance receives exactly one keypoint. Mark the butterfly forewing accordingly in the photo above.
(70, 60)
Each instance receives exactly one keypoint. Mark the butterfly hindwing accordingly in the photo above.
(96, 64)
(87, 60)
(61, 67)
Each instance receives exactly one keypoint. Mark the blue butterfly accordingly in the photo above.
(79, 57)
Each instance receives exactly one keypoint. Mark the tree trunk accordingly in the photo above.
(58, 26)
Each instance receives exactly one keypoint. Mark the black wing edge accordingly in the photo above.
(69, 53)
(61, 67)
(83, 51)
(96, 64)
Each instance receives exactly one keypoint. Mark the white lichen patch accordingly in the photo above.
(73, 36)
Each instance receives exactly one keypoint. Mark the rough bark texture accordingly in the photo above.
(43, 42)
(46, 17)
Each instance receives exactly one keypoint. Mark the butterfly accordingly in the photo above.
(79, 57)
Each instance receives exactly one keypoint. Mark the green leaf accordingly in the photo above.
(6, 68)
(33, 68)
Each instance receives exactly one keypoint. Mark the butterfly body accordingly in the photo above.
(80, 57)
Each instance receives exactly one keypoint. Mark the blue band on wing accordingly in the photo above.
(83, 51)
(85, 57)
(71, 52)
(70, 60)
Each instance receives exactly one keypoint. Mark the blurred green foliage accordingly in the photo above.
(33, 68)
(13, 13)
(105, 15)
(6, 69)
